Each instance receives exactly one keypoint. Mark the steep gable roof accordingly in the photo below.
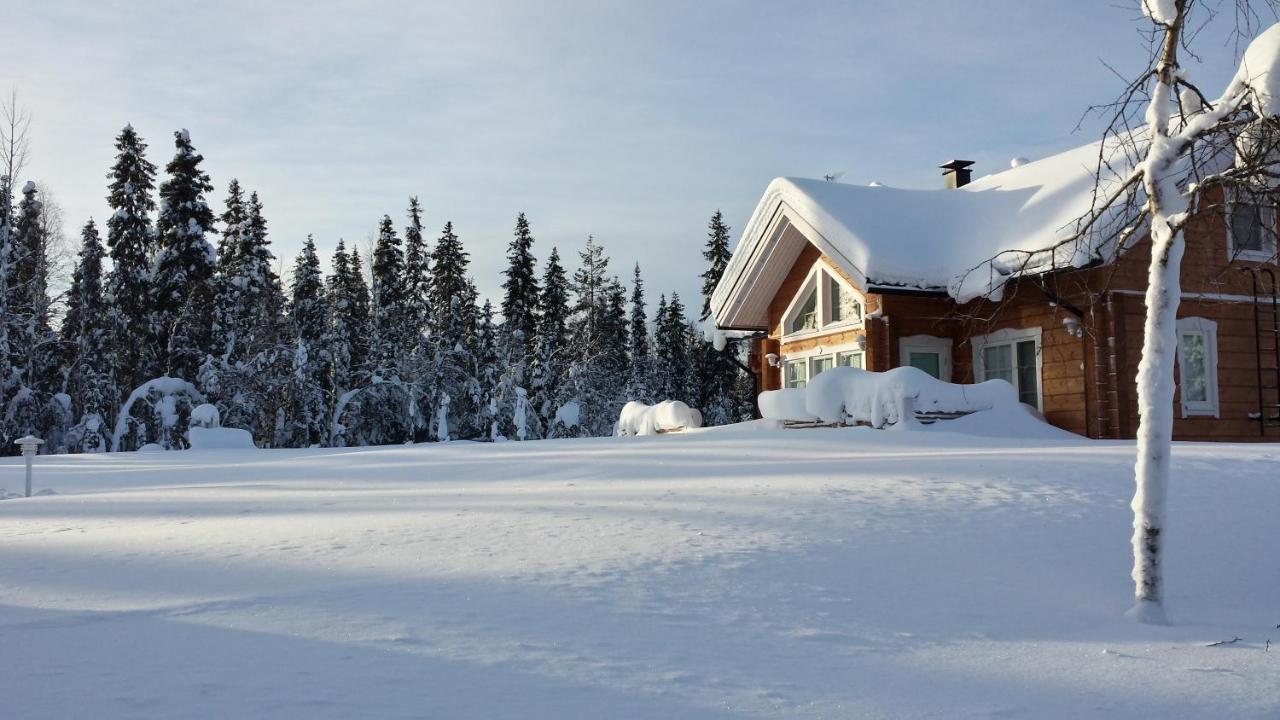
(966, 242)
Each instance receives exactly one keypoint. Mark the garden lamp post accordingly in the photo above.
(29, 445)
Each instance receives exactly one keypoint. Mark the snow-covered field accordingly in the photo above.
(819, 573)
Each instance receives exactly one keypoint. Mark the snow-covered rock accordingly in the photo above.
(638, 418)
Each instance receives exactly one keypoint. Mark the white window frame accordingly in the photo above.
(1011, 337)
(1268, 220)
(821, 351)
(1207, 329)
(927, 344)
(816, 281)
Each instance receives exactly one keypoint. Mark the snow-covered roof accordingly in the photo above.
(964, 241)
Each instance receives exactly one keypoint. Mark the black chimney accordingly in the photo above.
(957, 173)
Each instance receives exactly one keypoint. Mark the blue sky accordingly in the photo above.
(630, 121)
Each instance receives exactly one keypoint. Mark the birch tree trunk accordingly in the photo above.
(1166, 206)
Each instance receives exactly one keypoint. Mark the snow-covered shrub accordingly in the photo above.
(852, 395)
(637, 418)
(157, 412)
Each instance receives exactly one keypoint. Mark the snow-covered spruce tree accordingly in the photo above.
(1167, 147)
(308, 386)
(358, 292)
(674, 367)
(230, 295)
(85, 335)
(719, 391)
(550, 364)
(417, 355)
(7, 379)
(640, 361)
(32, 340)
(251, 355)
(717, 254)
(594, 382)
(35, 404)
(387, 304)
(454, 313)
(130, 235)
(340, 327)
(520, 301)
(182, 292)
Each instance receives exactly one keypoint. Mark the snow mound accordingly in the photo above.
(637, 418)
(205, 416)
(204, 438)
(895, 398)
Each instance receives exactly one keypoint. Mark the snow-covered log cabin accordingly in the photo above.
(972, 281)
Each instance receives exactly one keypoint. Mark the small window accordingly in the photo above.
(821, 364)
(1198, 366)
(845, 306)
(796, 373)
(928, 353)
(852, 358)
(806, 317)
(930, 362)
(1250, 231)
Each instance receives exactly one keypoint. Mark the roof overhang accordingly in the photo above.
(766, 252)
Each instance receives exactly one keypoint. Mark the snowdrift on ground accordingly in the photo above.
(637, 418)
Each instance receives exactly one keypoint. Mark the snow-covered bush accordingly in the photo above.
(157, 412)
(637, 418)
(852, 395)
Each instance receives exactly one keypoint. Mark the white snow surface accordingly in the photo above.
(766, 573)
(638, 418)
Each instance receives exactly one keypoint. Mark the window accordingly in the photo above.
(1250, 230)
(852, 358)
(1012, 356)
(1198, 366)
(819, 364)
(806, 317)
(824, 301)
(928, 353)
(796, 373)
(845, 306)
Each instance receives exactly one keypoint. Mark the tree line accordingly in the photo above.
(159, 321)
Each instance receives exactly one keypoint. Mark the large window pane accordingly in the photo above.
(929, 362)
(1246, 228)
(1194, 376)
(796, 373)
(844, 304)
(806, 317)
(997, 363)
(852, 358)
(1028, 374)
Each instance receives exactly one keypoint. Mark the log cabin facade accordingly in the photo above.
(1068, 339)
